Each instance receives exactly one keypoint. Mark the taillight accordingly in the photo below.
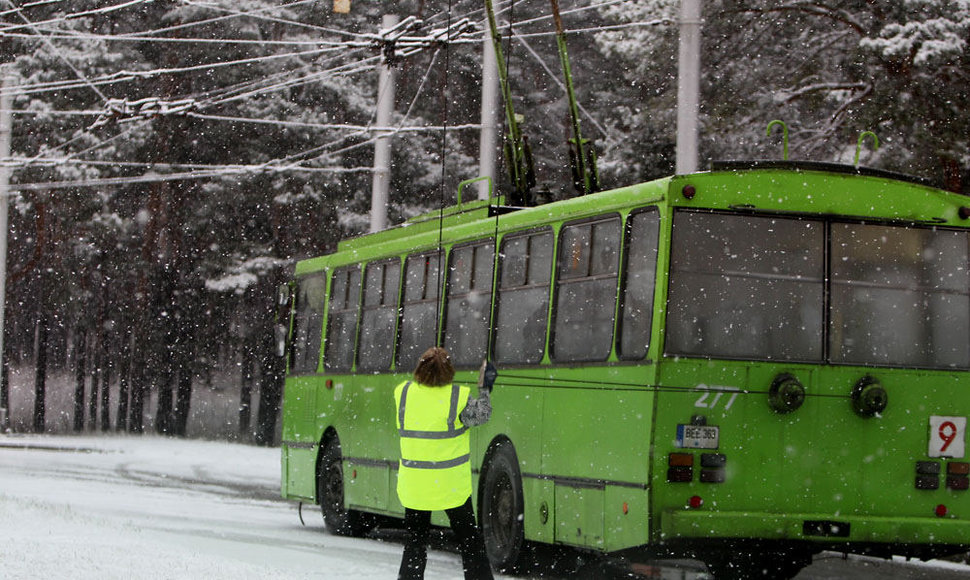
(680, 467)
(958, 475)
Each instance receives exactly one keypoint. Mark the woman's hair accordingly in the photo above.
(434, 368)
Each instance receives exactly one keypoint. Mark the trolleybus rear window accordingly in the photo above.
(342, 319)
(379, 315)
(523, 297)
(753, 287)
(900, 296)
(308, 324)
(746, 287)
(468, 311)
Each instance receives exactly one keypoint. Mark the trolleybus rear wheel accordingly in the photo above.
(330, 493)
(501, 511)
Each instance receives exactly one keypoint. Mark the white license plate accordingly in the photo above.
(697, 436)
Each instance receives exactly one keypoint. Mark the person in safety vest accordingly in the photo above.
(433, 417)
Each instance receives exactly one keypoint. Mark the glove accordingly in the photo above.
(487, 375)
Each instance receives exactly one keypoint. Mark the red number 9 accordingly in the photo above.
(948, 432)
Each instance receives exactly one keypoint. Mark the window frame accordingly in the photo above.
(498, 289)
(328, 342)
(560, 282)
(392, 337)
(625, 279)
(301, 367)
(403, 303)
(474, 246)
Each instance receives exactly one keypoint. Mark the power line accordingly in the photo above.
(150, 177)
(61, 55)
(73, 16)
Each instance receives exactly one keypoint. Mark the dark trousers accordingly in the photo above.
(470, 543)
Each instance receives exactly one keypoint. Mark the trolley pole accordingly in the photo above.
(382, 148)
(488, 147)
(688, 85)
(6, 127)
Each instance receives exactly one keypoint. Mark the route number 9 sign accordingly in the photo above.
(948, 437)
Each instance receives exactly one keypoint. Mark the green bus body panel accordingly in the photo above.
(593, 440)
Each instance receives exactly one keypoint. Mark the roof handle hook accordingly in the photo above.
(858, 147)
(784, 136)
(461, 186)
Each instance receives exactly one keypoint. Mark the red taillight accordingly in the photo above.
(695, 502)
(940, 511)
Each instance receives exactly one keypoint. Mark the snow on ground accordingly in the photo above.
(136, 507)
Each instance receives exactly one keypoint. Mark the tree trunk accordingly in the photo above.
(40, 374)
(270, 390)
(80, 362)
(163, 411)
(5, 381)
(247, 369)
(124, 379)
(183, 398)
(95, 382)
(105, 392)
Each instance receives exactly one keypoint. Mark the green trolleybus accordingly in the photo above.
(746, 365)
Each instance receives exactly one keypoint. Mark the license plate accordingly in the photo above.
(697, 436)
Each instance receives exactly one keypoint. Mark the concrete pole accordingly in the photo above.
(489, 144)
(688, 85)
(6, 126)
(382, 149)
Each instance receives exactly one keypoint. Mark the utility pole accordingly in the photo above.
(488, 147)
(688, 85)
(6, 127)
(382, 148)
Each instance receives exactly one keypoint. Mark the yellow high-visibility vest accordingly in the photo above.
(434, 472)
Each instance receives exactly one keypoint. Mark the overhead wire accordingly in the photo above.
(252, 88)
(65, 18)
(557, 81)
(60, 55)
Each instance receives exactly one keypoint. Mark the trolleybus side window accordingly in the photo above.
(523, 297)
(748, 287)
(639, 277)
(342, 319)
(469, 303)
(899, 296)
(586, 290)
(419, 309)
(379, 315)
(308, 324)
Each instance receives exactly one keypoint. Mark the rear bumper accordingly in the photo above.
(824, 529)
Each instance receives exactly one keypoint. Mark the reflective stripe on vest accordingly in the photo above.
(452, 416)
(434, 471)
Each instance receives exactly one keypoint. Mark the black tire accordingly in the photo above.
(330, 493)
(501, 511)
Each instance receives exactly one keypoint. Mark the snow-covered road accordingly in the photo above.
(147, 507)
(123, 507)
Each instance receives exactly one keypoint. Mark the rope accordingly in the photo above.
(441, 186)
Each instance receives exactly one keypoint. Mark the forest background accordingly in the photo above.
(172, 159)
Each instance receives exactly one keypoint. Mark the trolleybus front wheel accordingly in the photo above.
(501, 511)
(330, 493)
